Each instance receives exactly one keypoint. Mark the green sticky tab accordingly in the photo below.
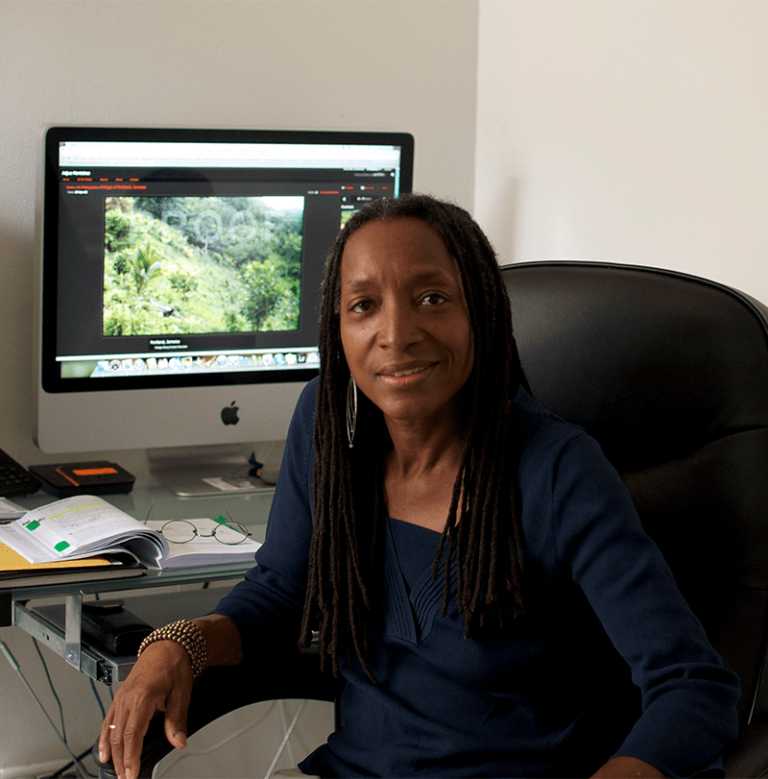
(33, 524)
(221, 520)
(61, 546)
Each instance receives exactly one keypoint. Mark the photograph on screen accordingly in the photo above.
(202, 265)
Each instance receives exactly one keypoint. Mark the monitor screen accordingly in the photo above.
(181, 276)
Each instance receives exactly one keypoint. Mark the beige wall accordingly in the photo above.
(314, 64)
(626, 130)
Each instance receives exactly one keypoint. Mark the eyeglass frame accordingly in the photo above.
(238, 527)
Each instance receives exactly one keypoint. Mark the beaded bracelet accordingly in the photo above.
(188, 635)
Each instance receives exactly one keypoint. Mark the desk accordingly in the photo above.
(16, 599)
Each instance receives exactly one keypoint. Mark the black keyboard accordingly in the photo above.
(14, 479)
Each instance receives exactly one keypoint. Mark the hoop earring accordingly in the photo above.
(351, 411)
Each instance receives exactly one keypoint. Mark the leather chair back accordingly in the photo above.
(670, 374)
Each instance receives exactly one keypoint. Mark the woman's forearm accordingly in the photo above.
(222, 640)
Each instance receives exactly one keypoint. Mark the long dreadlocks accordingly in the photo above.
(482, 532)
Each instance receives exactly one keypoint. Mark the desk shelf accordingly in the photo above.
(60, 628)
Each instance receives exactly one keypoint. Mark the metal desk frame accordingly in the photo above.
(91, 660)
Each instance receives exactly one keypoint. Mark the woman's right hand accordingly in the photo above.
(161, 680)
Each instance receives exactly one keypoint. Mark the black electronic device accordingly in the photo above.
(105, 624)
(109, 624)
(85, 478)
(14, 478)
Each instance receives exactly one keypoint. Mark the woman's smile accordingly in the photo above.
(400, 372)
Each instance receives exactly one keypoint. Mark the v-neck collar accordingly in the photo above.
(409, 616)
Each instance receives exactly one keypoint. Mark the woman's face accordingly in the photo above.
(405, 328)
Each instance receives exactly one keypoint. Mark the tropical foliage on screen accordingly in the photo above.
(183, 265)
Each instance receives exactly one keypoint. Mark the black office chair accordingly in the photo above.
(670, 374)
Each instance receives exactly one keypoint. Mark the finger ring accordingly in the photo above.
(112, 727)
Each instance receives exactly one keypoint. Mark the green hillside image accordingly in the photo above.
(192, 265)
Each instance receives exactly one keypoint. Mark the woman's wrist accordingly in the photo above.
(188, 635)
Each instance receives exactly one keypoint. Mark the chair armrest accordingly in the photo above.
(221, 690)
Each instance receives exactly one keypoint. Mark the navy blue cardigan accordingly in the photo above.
(549, 694)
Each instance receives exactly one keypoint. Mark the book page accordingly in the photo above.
(73, 527)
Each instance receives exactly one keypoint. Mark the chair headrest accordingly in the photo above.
(640, 357)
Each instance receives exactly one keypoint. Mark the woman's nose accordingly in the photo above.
(399, 326)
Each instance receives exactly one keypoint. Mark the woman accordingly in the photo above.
(472, 563)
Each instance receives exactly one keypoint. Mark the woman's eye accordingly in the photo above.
(433, 299)
(360, 307)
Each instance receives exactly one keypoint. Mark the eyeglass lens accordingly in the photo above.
(182, 531)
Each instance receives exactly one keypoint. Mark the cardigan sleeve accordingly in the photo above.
(270, 599)
(688, 696)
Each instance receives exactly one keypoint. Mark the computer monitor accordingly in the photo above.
(181, 275)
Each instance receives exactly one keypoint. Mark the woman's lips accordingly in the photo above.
(402, 372)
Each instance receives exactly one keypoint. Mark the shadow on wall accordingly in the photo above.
(19, 282)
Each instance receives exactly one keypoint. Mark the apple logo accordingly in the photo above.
(229, 414)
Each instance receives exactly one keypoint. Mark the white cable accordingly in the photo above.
(288, 733)
(12, 660)
(224, 740)
(289, 745)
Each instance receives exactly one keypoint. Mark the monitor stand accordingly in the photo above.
(217, 470)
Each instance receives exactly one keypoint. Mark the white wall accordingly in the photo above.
(312, 64)
(628, 131)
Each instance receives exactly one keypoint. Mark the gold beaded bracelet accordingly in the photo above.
(188, 635)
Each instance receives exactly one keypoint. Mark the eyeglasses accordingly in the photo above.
(182, 531)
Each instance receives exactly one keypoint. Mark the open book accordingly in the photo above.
(87, 526)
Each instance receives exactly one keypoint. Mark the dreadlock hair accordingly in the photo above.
(482, 533)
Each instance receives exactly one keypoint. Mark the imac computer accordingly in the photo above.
(181, 275)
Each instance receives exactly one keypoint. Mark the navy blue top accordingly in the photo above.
(548, 695)
(415, 549)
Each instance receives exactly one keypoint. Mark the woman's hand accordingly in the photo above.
(161, 680)
(621, 767)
